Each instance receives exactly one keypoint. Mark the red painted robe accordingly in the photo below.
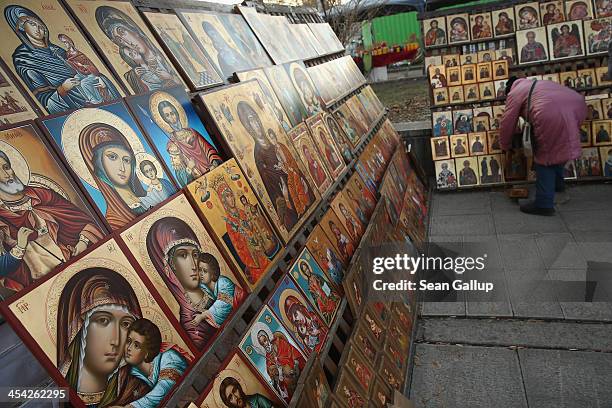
(198, 149)
(284, 357)
(255, 261)
(64, 220)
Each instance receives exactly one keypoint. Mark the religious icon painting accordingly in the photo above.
(360, 368)
(14, 104)
(264, 152)
(498, 112)
(127, 44)
(236, 380)
(305, 88)
(467, 59)
(453, 76)
(565, 40)
(607, 108)
(603, 8)
(588, 164)
(578, 10)
(440, 148)
(373, 326)
(468, 74)
(338, 235)
(481, 26)
(471, 93)
(110, 156)
(459, 146)
(264, 29)
(435, 31)
(587, 78)
(354, 290)
(271, 97)
(170, 244)
(362, 198)
(500, 70)
(503, 22)
(236, 221)
(382, 395)
(585, 134)
(437, 77)
(354, 222)
(552, 12)
(44, 221)
(353, 129)
(362, 341)
(64, 320)
(287, 94)
(52, 59)
(317, 388)
(451, 60)
(506, 55)
(318, 289)
(500, 89)
(328, 149)
(597, 34)
(601, 131)
(527, 15)
(606, 160)
(339, 137)
(456, 94)
(463, 121)
(189, 58)
(483, 72)
(349, 393)
(487, 90)
(392, 376)
(485, 56)
(602, 77)
(446, 176)
(226, 40)
(432, 61)
(552, 77)
(177, 133)
(305, 46)
(327, 256)
(308, 152)
(273, 353)
(478, 143)
(396, 354)
(440, 96)
(458, 28)
(297, 316)
(491, 169)
(532, 45)
(442, 123)
(568, 79)
(594, 109)
(493, 142)
(468, 171)
(515, 165)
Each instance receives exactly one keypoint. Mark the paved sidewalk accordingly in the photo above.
(543, 337)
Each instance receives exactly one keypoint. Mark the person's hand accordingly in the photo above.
(79, 247)
(140, 70)
(70, 83)
(196, 321)
(22, 237)
(210, 319)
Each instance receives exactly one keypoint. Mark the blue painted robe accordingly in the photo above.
(223, 296)
(168, 367)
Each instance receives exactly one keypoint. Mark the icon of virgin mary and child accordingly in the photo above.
(111, 161)
(206, 298)
(107, 352)
(60, 78)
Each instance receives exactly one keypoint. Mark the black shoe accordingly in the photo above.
(532, 209)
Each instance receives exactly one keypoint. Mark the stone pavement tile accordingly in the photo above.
(588, 221)
(501, 203)
(587, 197)
(486, 246)
(560, 250)
(574, 294)
(521, 223)
(477, 202)
(566, 379)
(444, 308)
(520, 252)
(595, 246)
(466, 377)
(524, 333)
(477, 224)
(532, 295)
(493, 303)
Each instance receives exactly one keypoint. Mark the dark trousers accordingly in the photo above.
(548, 179)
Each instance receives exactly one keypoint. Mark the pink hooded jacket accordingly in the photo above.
(556, 115)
